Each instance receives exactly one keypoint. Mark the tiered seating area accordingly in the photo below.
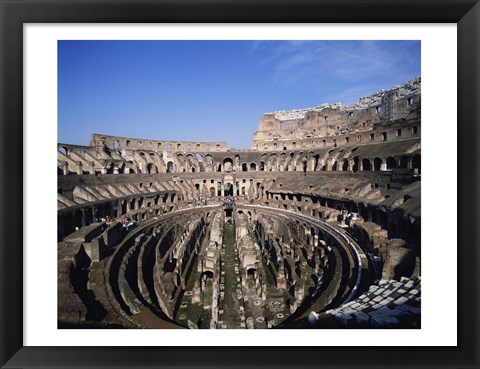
(392, 304)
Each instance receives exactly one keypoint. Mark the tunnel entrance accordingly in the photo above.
(228, 189)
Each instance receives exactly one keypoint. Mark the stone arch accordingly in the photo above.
(272, 162)
(366, 164)
(63, 150)
(391, 162)
(209, 162)
(150, 168)
(228, 189)
(416, 163)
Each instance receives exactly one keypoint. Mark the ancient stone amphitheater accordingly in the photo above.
(317, 225)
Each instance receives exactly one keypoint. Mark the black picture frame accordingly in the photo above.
(14, 13)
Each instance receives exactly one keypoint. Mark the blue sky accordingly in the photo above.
(214, 90)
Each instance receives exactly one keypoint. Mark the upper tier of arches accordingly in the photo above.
(81, 160)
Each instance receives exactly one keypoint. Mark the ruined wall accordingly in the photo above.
(115, 142)
(381, 114)
(358, 167)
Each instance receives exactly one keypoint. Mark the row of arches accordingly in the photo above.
(309, 162)
(191, 163)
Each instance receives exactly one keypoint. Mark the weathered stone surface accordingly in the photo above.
(261, 237)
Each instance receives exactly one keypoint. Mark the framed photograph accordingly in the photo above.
(177, 234)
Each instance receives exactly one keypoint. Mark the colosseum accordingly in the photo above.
(316, 225)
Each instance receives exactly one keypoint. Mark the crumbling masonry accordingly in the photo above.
(317, 225)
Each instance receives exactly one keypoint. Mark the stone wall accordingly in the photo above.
(387, 115)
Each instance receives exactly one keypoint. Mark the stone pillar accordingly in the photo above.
(80, 168)
(65, 168)
(383, 166)
(115, 169)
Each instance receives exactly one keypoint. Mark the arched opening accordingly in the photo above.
(131, 167)
(377, 164)
(416, 163)
(250, 275)
(244, 167)
(149, 168)
(391, 162)
(63, 150)
(197, 187)
(227, 165)
(206, 279)
(404, 162)
(366, 164)
(345, 165)
(253, 167)
(132, 204)
(334, 166)
(212, 191)
(209, 161)
(170, 167)
(228, 189)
